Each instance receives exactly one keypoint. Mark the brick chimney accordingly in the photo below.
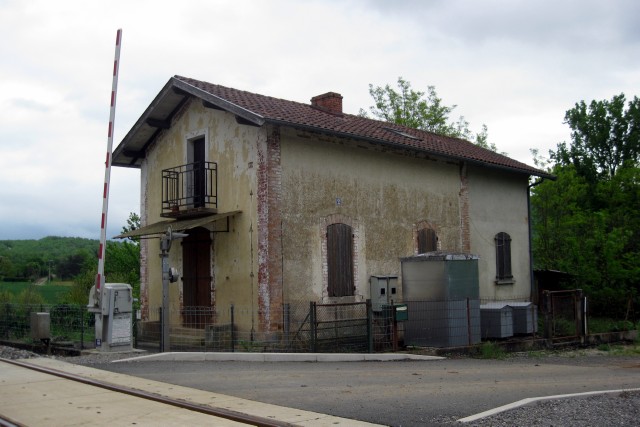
(330, 101)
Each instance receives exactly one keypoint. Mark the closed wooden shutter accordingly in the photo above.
(427, 240)
(340, 260)
(503, 256)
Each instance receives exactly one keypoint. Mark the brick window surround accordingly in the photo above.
(324, 224)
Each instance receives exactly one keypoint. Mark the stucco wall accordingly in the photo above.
(291, 184)
(498, 203)
(383, 194)
(234, 253)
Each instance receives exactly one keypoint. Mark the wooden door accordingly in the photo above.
(196, 278)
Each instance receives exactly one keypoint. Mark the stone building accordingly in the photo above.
(286, 201)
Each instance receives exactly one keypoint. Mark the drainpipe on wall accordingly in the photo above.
(531, 283)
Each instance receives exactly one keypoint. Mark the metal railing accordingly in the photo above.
(189, 188)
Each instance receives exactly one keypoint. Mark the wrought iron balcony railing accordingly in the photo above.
(190, 190)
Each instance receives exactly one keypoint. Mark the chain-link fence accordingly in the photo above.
(70, 325)
(306, 327)
(315, 327)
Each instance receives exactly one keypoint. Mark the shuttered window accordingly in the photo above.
(340, 260)
(503, 256)
(427, 240)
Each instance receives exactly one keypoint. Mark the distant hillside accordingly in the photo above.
(48, 248)
(28, 258)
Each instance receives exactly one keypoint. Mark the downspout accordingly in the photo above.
(531, 280)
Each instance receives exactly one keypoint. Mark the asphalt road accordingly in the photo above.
(408, 393)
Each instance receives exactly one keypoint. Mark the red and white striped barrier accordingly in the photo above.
(99, 285)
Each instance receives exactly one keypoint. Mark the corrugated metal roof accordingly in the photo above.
(176, 225)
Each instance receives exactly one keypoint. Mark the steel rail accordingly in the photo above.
(203, 409)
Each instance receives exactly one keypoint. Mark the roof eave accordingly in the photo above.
(538, 173)
(130, 159)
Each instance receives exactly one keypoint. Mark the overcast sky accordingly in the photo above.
(514, 65)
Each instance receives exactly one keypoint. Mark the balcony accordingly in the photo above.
(190, 190)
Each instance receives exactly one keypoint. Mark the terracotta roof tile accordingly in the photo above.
(304, 115)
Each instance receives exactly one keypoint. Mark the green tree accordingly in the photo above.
(586, 222)
(74, 264)
(411, 108)
(122, 265)
(133, 223)
(604, 137)
(6, 268)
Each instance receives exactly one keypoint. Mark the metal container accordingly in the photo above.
(440, 276)
(40, 326)
(441, 291)
(525, 317)
(496, 320)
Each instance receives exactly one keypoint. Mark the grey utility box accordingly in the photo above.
(40, 326)
(496, 320)
(441, 290)
(439, 276)
(525, 317)
(384, 289)
(117, 310)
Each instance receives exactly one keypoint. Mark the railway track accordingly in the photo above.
(221, 413)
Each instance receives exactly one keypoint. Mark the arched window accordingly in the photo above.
(427, 240)
(340, 260)
(503, 256)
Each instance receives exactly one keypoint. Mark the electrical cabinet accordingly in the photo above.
(384, 289)
(40, 326)
(117, 316)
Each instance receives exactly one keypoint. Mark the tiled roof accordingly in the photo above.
(260, 109)
(304, 115)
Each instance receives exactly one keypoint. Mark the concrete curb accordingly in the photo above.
(276, 357)
(531, 400)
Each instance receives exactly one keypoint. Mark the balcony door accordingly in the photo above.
(196, 277)
(196, 179)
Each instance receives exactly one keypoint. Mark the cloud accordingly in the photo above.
(516, 66)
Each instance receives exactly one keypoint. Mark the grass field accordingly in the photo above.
(52, 293)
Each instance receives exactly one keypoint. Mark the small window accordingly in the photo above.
(427, 240)
(340, 260)
(503, 258)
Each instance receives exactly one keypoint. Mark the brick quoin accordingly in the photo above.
(269, 233)
(465, 231)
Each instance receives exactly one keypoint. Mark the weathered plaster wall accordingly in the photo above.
(383, 194)
(291, 184)
(234, 253)
(498, 203)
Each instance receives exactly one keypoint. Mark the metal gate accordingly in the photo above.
(565, 316)
(327, 328)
